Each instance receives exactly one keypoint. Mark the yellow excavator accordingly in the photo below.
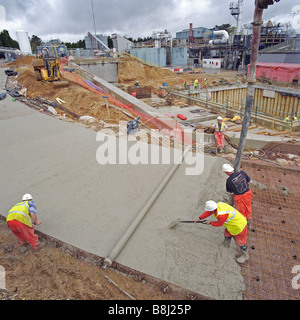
(47, 69)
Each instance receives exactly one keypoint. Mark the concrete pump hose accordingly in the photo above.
(140, 216)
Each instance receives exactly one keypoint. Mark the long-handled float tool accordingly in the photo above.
(175, 222)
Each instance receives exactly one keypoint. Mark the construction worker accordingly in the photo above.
(196, 84)
(238, 184)
(290, 118)
(20, 220)
(137, 85)
(219, 133)
(234, 222)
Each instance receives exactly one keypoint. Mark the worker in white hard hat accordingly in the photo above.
(234, 222)
(219, 133)
(20, 220)
(238, 184)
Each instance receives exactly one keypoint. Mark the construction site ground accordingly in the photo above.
(268, 275)
(58, 162)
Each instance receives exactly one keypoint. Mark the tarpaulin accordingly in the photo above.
(285, 72)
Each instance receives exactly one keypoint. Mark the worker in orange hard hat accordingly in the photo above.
(238, 184)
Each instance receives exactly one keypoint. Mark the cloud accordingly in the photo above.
(70, 19)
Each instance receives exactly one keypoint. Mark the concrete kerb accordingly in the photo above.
(166, 287)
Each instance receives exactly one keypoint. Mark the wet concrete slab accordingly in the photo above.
(90, 206)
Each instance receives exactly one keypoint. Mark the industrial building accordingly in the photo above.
(193, 35)
(95, 41)
(284, 52)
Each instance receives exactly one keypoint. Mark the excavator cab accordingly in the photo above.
(47, 69)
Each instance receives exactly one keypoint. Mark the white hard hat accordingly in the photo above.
(27, 196)
(210, 205)
(219, 118)
(226, 167)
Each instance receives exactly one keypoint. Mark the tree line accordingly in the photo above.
(7, 41)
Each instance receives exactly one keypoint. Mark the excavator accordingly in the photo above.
(47, 68)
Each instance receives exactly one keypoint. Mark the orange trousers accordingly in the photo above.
(24, 233)
(219, 138)
(240, 239)
(243, 203)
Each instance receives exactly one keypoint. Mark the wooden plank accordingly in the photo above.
(255, 100)
(298, 106)
(272, 105)
(269, 106)
(260, 101)
(278, 104)
(277, 133)
(289, 107)
(235, 96)
(284, 106)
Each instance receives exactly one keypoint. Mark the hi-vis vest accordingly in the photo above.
(235, 222)
(222, 127)
(20, 212)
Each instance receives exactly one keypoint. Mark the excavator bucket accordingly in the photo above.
(58, 84)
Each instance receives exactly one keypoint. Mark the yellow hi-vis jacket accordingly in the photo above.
(235, 222)
(20, 212)
(222, 127)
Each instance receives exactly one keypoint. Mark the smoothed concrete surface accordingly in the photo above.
(90, 205)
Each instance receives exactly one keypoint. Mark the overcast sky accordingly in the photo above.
(69, 20)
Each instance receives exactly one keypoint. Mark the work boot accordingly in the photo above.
(226, 242)
(41, 245)
(23, 249)
(244, 256)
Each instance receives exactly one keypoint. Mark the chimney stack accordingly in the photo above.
(191, 38)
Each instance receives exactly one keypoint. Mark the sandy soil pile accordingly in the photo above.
(21, 61)
(131, 70)
(77, 99)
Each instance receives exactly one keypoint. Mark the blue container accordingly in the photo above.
(164, 84)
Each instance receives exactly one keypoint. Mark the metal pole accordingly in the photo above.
(257, 22)
(260, 5)
(94, 18)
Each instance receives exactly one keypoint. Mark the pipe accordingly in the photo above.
(140, 216)
(223, 33)
(257, 22)
(260, 5)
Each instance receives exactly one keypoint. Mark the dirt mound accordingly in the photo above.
(54, 274)
(21, 61)
(131, 70)
(77, 99)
